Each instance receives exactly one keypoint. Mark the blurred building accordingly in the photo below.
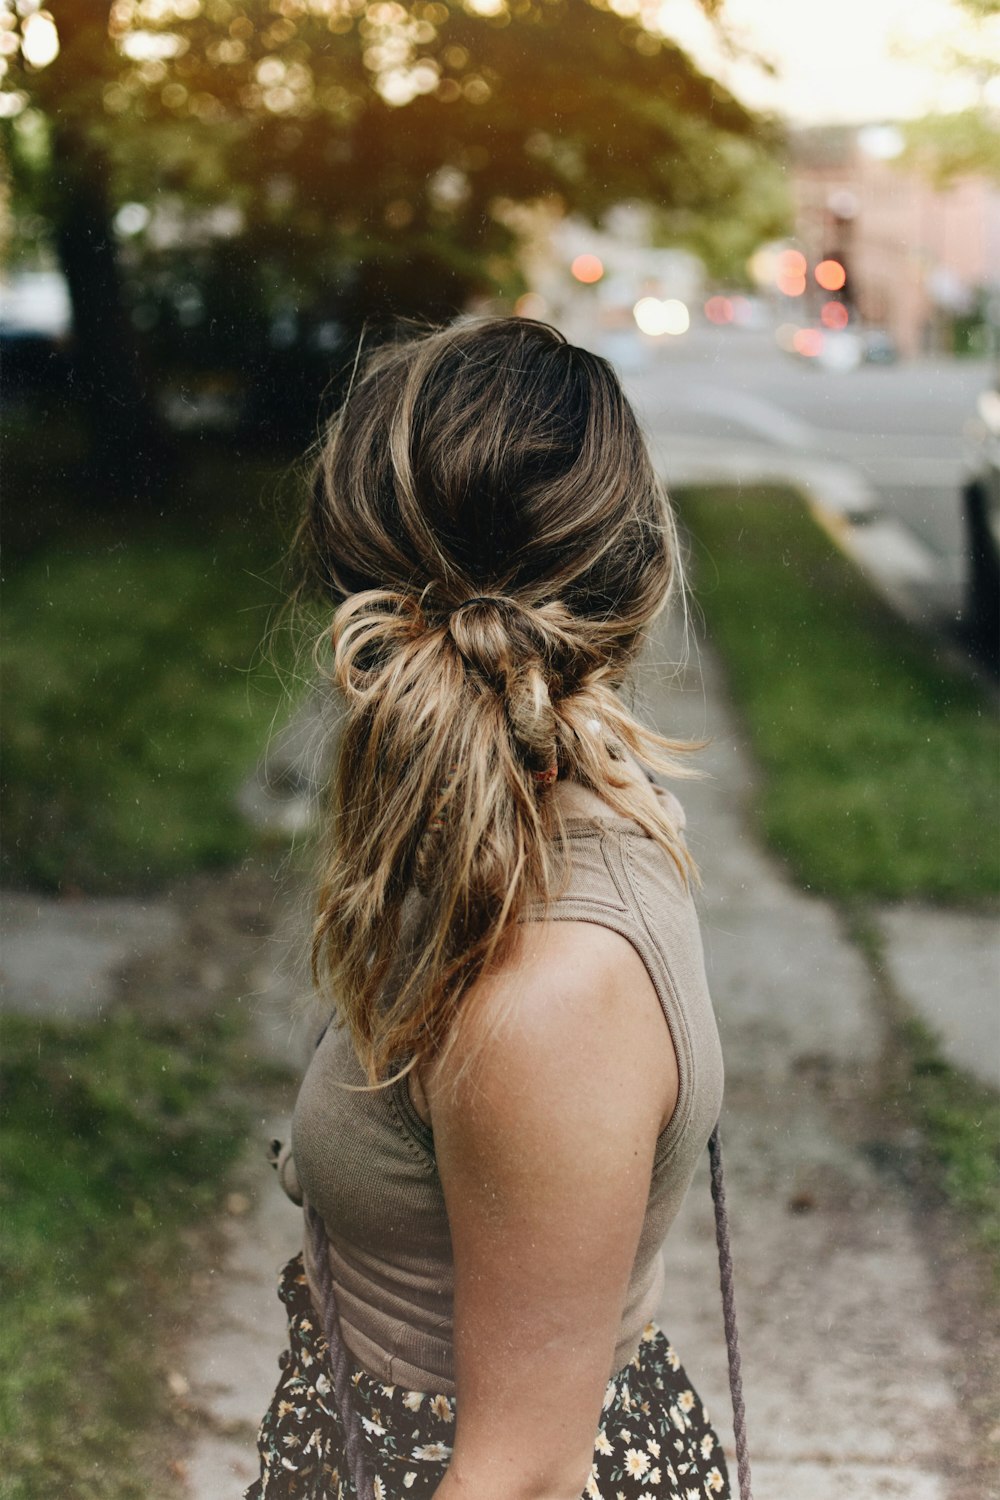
(922, 262)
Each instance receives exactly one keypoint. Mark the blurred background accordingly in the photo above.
(780, 220)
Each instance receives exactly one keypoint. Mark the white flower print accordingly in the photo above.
(636, 1463)
(433, 1452)
(654, 1438)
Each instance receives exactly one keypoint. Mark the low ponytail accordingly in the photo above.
(472, 678)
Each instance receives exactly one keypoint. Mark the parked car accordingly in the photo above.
(981, 507)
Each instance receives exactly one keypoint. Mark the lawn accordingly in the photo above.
(117, 1135)
(139, 681)
(143, 672)
(880, 774)
(878, 777)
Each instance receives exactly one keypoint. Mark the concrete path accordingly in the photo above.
(848, 1365)
(849, 1362)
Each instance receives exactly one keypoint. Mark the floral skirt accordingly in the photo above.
(655, 1440)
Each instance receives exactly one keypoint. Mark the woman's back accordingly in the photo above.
(365, 1159)
(497, 1132)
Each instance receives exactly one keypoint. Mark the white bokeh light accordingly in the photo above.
(40, 39)
(656, 318)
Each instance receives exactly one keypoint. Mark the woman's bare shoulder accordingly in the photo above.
(571, 1012)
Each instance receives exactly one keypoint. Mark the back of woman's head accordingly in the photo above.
(486, 521)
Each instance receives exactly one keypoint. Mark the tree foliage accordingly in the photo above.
(378, 142)
(367, 154)
(945, 147)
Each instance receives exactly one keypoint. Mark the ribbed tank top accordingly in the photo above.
(365, 1161)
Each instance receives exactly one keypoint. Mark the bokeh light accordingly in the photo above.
(808, 341)
(39, 39)
(791, 263)
(655, 317)
(531, 305)
(587, 268)
(830, 275)
(790, 274)
(719, 310)
(834, 315)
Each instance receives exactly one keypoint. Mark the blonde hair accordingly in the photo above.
(486, 520)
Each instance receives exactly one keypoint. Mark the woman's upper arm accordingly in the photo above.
(545, 1147)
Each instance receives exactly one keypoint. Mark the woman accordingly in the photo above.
(499, 1127)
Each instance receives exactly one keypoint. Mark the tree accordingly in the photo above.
(130, 455)
(373, 148)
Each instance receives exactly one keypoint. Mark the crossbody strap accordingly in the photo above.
(729, 1312)
(340, 1369)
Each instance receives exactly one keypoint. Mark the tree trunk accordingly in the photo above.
(129, 452)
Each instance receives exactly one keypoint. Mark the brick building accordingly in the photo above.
(918, 257)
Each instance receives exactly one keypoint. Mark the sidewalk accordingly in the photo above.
(851, 1368)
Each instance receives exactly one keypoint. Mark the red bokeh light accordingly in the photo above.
(833, 315)
(808, 341)
(792, 283)
(830, 275)
(791, 263)
(587, 268)
(719, 310)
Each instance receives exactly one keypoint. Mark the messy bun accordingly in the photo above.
(485, 520)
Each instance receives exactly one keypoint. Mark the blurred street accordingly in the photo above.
(882, 445)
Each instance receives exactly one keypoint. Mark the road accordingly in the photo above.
(884, 440)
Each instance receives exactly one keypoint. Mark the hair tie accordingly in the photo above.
(546, 778)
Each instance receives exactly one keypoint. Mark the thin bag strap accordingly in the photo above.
(729, 1313)
(340, 1369)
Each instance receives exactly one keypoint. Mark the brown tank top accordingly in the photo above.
(365, 1160)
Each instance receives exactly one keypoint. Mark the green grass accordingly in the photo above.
(879, 777)
(879, 761)
(959, 1119)
(117, 1135)
(137, 696)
